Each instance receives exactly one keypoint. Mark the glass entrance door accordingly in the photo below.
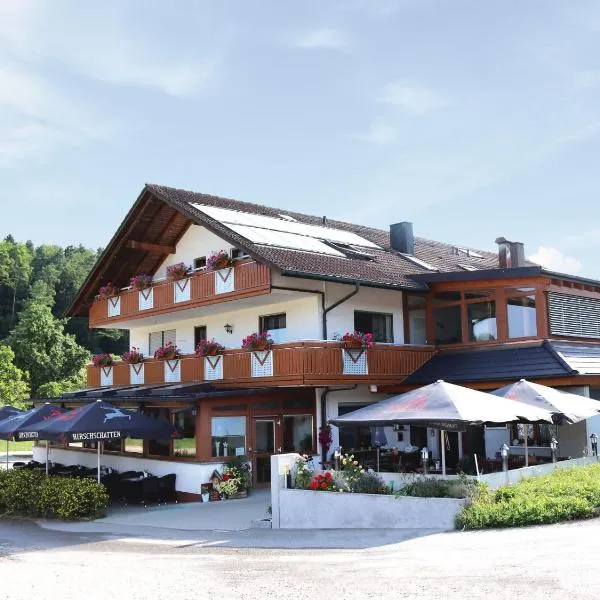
(264, 447)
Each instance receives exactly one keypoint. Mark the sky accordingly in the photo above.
(471, 119)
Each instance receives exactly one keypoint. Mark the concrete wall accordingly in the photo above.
(281, 465)
(190, 476)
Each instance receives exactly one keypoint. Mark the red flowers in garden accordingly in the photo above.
(323, 483)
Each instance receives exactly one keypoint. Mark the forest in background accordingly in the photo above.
(43, 354)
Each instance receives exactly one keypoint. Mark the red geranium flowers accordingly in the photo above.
(323, 483)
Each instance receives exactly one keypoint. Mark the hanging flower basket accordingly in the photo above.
(219, 260)
(357, 340)
(209, 348)
(168, 352)
(325, 437)
(256, 342)
(177, 271)
(141, 282)
(102, 360)
(133, 357)
(108, 291)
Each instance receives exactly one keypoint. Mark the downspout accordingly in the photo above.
(335, 305)
(324, 395)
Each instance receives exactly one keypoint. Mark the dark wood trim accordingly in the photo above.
(153, 248)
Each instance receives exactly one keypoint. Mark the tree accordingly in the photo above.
(15, 270)
(42, 347)
(14, 386)
(52, 389)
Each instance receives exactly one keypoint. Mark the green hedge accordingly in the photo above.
(30, 493)
(564, 495)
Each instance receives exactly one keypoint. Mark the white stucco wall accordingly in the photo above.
(197, 241)
(301, 322)
(190, 476)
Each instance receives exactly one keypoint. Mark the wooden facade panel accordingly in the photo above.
(121, 374)
(251, 279)
(154, 371)
(192, 369)
(236, 365)
(93, 376)
(287, 362)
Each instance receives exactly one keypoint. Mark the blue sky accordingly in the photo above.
(472, 119)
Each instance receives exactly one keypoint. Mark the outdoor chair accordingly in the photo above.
(166, 488)
(18, 465)
(150, 490)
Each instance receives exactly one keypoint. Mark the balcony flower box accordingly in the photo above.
(211, 353)
(177, 271)
(257, 342)
(219, 260)
(170, 354)
(209, 348)
(261, 361)
(354, 355)
(135, 359)
(356, 340)
(108, 291)
(105, 362)
(141, 282)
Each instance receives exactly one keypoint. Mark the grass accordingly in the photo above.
(563, 495)
(16, 446)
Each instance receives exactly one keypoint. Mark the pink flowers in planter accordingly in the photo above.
(357, 339)
(209, 348)
(219, 260)
(102, 360)
(133, 357)
(141, 282)
(168, 352)
(177, 271)
(257, 341)
(108, 291)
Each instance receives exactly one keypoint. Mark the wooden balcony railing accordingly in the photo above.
(205, 287)
(299, 363)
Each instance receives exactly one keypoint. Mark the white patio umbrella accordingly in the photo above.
(564, 406)
(444, 406)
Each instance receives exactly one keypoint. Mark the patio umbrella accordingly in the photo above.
(443, 406)
(7, 412)
(565, 407)
(19, 427)
(101, 421)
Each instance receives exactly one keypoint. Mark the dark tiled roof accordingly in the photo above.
(510, 363)
(584, 358)
(388, 268)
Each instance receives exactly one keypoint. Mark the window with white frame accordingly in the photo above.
(276, 325)
(156, 339)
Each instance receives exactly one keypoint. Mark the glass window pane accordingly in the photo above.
(159, 447)
(228, 436)
(474, 294)
(482, 321)
(519, 290)
(415, 300)
(417, 331)
(112, 446)
(265, 436)
(447, 325)
(446, 297)
(379, 324)
(298, 433)
(521, 317)
(135, 446)
(185, 421)
(353, 437)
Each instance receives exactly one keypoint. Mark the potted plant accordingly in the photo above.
(239, 469)
(108, 291)
(229, 486)
(257, 341)
(168, 352)
(219, 260)
(209, 348)
(177, 271)
(141, 282)
(102, 360)
(133, 357)
(325, 437)
(205, 492)
(357, 340)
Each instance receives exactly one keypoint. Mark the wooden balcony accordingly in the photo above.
(298, 363)
(201, 288)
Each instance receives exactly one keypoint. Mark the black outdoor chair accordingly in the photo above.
(111, 483)
(18, 465)
(166, 488)
(150, 490)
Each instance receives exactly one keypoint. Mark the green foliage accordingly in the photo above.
(238, 468)
(563, 495)
(52, 389)
(370, 483)
(30, 493)
(443, 488)
(303, 475)
(14, 384)
(42, 347)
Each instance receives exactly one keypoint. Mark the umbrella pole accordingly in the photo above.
(526, 445)
(99, 444)
(47, 455)
(7, 454)
(378, 459)
(443, 441)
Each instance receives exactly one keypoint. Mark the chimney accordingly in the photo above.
(401, 237)
(510, 254)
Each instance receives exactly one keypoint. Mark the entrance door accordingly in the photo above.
(451, 438)
(264, 447)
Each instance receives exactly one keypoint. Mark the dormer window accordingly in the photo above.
(200, 263)
(237, 253)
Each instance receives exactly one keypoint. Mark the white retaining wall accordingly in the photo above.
(190, 476)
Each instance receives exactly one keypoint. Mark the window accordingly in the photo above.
(159, 447)
(379, 324)
(521, 316)
(482, 321)
(448, 327)
(185, 422)
(228, 436)
(417, 329)
(353, 437)
(298, 433)
(199, 334)
(537, 434)
(237, 253)
(200, 263)
(275, 325)
(160, 338)
(134, 446)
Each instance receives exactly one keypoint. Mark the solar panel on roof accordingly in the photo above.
(419, 262)
(234, 217)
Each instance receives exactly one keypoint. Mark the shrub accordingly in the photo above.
(444, 488)
(563, 495)
(370, 483)
(29, 493)
(303, 475)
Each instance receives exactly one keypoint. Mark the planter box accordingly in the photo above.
(136, 374)
(213, 367)
(146, 299)
(106, 376)
(181, 290)
(354, 361)
(114, 306)
(262, 363)
(224, 281)
(305, 509)
(172, 371)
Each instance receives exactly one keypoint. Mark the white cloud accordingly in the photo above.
(320, 38)
(412, 98)
(378, 134)
(554, 260)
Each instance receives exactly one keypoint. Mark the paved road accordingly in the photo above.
(80, 561)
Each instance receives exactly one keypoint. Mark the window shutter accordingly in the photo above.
(155, 342)
(574, 316)
(169, 336)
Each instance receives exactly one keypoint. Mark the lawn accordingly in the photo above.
(17, 446)
(563, 495)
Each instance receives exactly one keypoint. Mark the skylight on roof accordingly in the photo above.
(469, 252)
(468, 267)
(271, 224)
(288, 218)
(419, 262)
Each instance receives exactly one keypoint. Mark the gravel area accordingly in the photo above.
(529, 563)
